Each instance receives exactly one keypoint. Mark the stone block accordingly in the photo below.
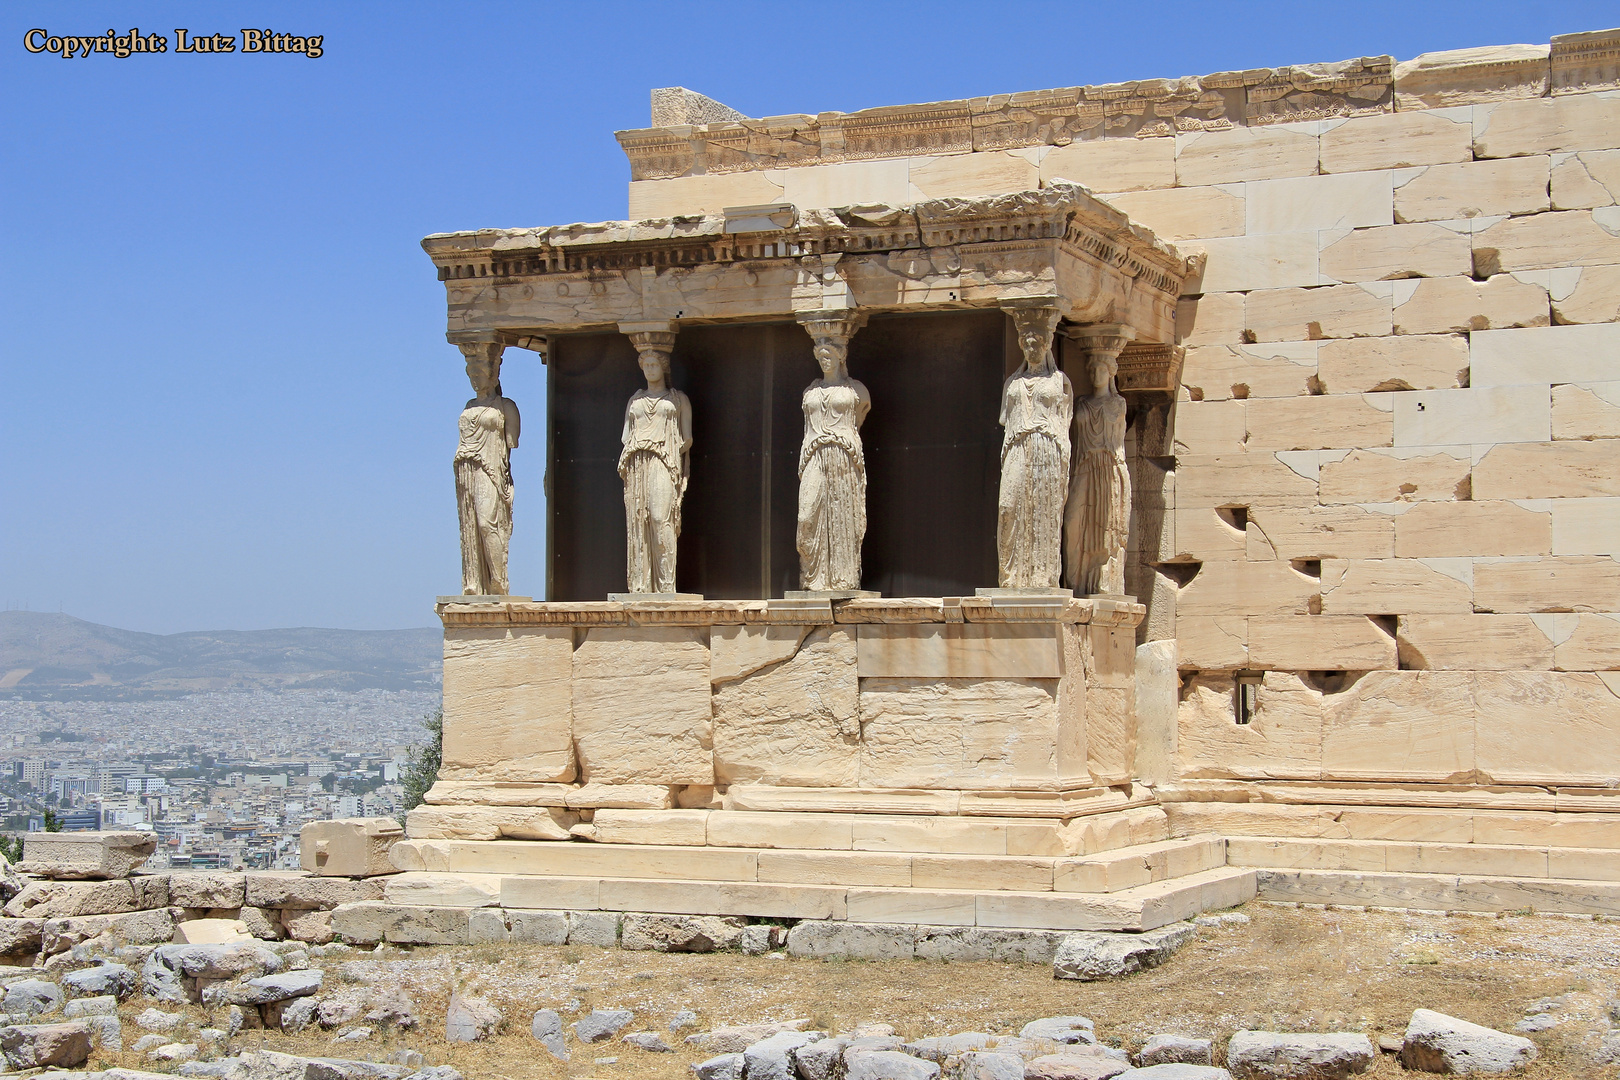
(1317, 312)
(1204, 534)
(1473, 189)
(1157, 690)
(86, 855)
(418, 889)
(1593, 644)
(1246, 263)
(1210, 427)
(1566, 469)
(489, 823)
(1586, 526)
(1185, 213)
(1175, 1050)
(211, 931)
(1344, 201)
(1537, 727)
(1318, 532)
(681, 933)
(1391, 586)
(911, 906)
(350, 847)
(1219, 642)
(621, 797)
(1244, 153)
(1474, 642)
(958, 733)
(846, 183)
(1455, 304)
(1585, 181)
(1092, 956)
(1320, 1056)
(1395, 251)
(1250, 479)
(1320, 643)
(496, 793)
(1211, 319)
(642, 712)
(1569, 124)
(29, 1046)
(1471, 76)
(1401, 725)
(1594, 298)
(739, 651)
(1389, 476)
(1213, 373)
(63, 899)
(1262, 588)
(1397, 140)
(506, 703)
(279, 889)
(371, 921)
(596, 928)
(708, 194)
(314, 927)
(1433, 530)
(1549, 241)
(1481, 414)
(1560, 583)
(1438, 1043)
(1282, 741)
(210, 890)
(680, 827)
(537, 927)
(1320, 422)
(873, 869)
(742, 828)
(959, 651)
(1590, 411)
(966, 176)
(1113, 164)
(852, 941)
(1413, 362)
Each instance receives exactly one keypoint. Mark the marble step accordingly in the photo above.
(1144, 907)
(1583, 827)
(1420, 857)
(1439, 892)
(1105, 872)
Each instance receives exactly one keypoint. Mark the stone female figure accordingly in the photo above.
(832, 467)
(489, 434)
(654, 465)
(1037, 406)
(1097, 519)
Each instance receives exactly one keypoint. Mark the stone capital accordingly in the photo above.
(655, 336)
(476, 351)
(1101, 341)
(838, 324)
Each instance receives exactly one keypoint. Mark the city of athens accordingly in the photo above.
(982, 555)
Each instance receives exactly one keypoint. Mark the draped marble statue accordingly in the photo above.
(1037, 406)
(832, 466)
(655, 465)
(1097, 518)
(489, 434)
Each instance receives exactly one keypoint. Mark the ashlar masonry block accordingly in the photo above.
(959, 733)
(1454, 529)
(1413, 362)
(1387, 476)
(1548, 241)
(1472, 189)
(1400, 725)
(1570, 123)
(1391, 587)
(1113, 164)
(1397, 140)
(641, 702)
(1252, 478)
(507, 708)
(1320, 643)
(794, 722)
(1343, 201)
(1565, 469)
(1455, 304)
(1484, 413)
(1536, 727)
(1320, 422)
(1319, 532)
(1542, 354)
(1594, 297)
(1549, 584)
(1283, 741)
(1245, 153)
(349, 847)
(1586, 526)
(1473, 642)
(1246, 263)
(1325, 311)
(1211, 319)
(1395, 251)
(1248, 588)
(1185, 213)
(1586, 411)
(1593, 644)
(81, 855)
(1225, 372)
(1585, 180)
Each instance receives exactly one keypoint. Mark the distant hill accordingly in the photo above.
(57, 656)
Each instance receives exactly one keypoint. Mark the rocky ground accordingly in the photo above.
(1554, 980)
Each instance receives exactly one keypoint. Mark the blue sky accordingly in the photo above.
(225, 396)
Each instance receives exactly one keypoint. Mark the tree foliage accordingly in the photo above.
(423, 767)
(52, 822)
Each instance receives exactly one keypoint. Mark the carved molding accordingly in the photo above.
(1150, 368)
(1101, 341)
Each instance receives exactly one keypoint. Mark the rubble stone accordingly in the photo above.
(66, 856)
(1088, 956)
(600, 1025)
(470, 1019)
(548, 1028)
(111, 979)
(1271, 1055)
(31, 1046)
(1176, 1050)
(681, 933)
(1439, 1043)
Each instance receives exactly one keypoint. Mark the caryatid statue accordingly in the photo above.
(1097, 519)
(832, 465)
(489, 434)
(1037, 407)
(655, 466)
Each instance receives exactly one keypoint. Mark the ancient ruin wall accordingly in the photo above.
(1390, 490)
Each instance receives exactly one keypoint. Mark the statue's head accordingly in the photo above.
(1102, 373)
(832, 353)
(654, 366)
(484, 372)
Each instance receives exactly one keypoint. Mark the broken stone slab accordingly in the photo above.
(600, 1025)
(758, 940)
(153, 927)
(1076, 1067)
(31, 997)
(547, 1027)
(171, 972)
(650, 1041)
(106, 1033)
(827, 939)
(211, 931)
(681, 933)
(861, 1064)
(293, 889)
(1176, 1050)
(1089, 956)
(989, 1065)
(737, 1038)
(157, 1020)
(1180, 1072)
(31, 1046)
(266, 989)
(207, 890)
(1439, 1043)
(106, 1005)
(1272, 1055)
(470, 1019)
(20, 935)
(72, 856)
(1066, 1030)
(720, 1067)
(349, 847)
(114, 981)
(772, 1058)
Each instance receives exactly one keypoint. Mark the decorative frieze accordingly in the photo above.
(1582, 63)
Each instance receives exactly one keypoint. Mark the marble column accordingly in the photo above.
(1096, 520)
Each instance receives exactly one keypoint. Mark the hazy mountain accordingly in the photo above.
(58, 656)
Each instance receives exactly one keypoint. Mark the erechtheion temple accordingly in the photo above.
(1069, 509)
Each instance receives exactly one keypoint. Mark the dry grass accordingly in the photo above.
(1289, 969)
